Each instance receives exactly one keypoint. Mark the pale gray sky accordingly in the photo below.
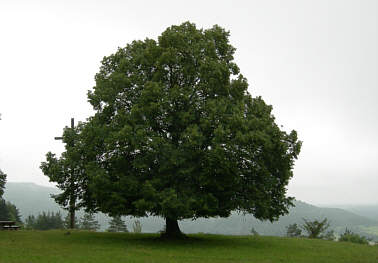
(314, 61)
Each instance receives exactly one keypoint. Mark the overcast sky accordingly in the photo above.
(314, 61)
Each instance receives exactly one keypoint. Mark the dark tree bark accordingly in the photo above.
(172, 229)
(72, 209)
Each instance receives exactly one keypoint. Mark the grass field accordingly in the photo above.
(55, 246)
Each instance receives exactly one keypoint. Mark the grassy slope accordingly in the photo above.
(54, 246)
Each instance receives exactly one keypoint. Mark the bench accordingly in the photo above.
(8, 225)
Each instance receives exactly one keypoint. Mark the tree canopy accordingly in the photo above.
(177, 134)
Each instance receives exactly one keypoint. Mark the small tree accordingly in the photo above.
(137, 227)
(254, 232)
(68, 172)
(14, 214)
(315, 228)
(9, 212)
(88, 222)
(117, 225)
(293, 230)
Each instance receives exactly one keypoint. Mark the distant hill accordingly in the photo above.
(33, 199)
(369, 211)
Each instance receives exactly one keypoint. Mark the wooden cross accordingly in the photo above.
(72, 127)
(72, 205)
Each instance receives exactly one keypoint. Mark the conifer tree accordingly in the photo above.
(44, 221)
(117, 225)
(14, 214)
(4, 212)
(88, 222)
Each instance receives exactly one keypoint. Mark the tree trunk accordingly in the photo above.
(72, 209)
(172, 229)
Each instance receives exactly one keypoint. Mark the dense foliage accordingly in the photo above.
(44, 221)
(9, 212)
(349, 236)
(177, 134)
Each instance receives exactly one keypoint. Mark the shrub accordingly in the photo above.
(293, 230)
(330, 235)
(315, 228)
(349, 236)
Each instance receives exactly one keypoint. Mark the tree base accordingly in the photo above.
(175, 236)
(172, 230)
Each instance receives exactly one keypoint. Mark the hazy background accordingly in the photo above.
(314, 61)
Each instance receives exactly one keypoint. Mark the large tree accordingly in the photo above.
(176, 133)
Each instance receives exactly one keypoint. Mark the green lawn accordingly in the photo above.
(81, 247)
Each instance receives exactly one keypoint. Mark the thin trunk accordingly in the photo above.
(72, 212)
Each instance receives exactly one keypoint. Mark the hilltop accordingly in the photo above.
(33, 199)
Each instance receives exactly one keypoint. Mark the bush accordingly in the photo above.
(315, 228)
(330, 235)
(293, 230)
(349, 236)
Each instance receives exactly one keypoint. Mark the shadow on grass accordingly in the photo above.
(155, 240)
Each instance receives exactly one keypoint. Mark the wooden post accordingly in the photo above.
(72, 202)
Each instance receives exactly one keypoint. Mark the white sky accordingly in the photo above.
(314, 61)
